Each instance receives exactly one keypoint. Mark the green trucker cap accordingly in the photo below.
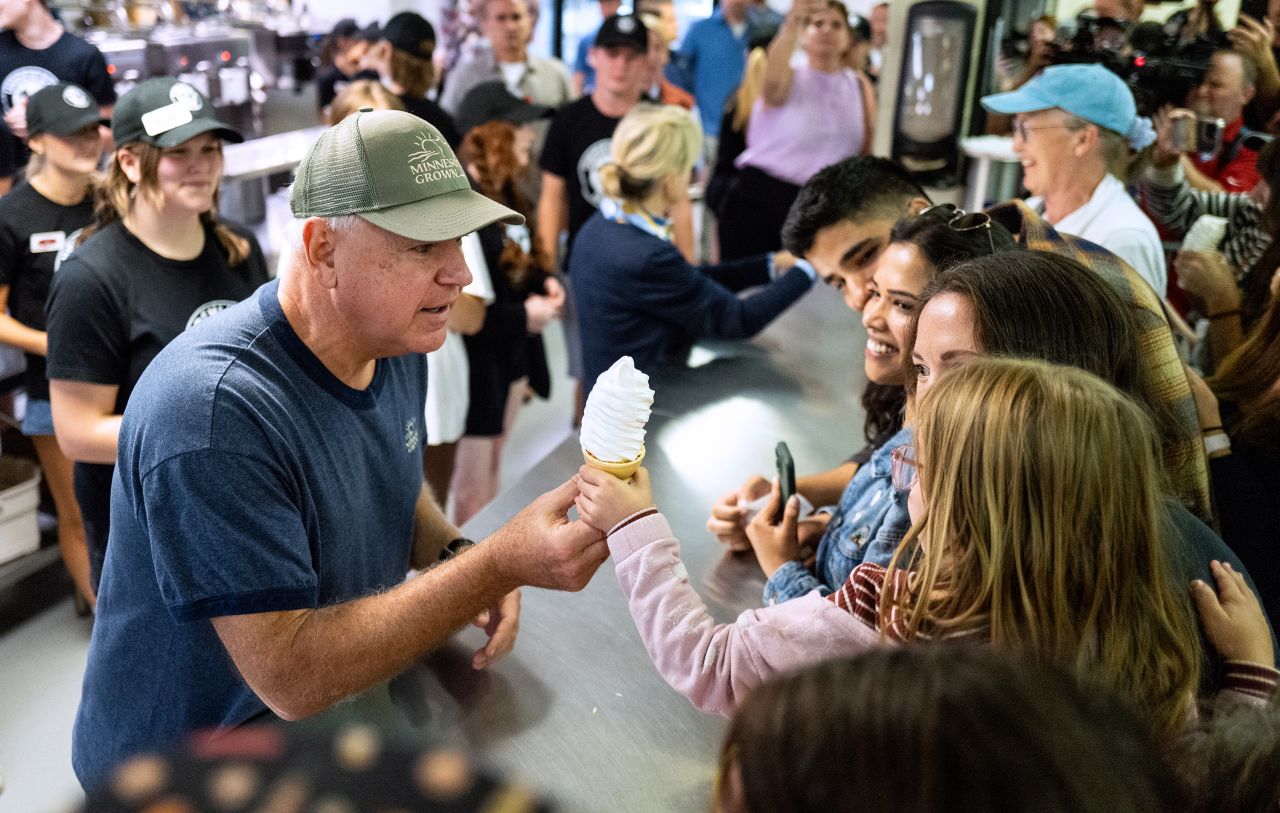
(166, 112)
(396, 171)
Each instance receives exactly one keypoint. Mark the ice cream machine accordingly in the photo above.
(927, 88)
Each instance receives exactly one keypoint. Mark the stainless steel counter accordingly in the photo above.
(577, 710)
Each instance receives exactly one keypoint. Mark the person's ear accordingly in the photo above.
(1249, 92)
(1086, 138)
(130, 165)
(319, 246)
(917, 205)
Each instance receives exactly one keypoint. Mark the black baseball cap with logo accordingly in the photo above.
(63, 109)
(166, 112)
(396, 171)
(623, 29)
(411, 33)
(492, 101)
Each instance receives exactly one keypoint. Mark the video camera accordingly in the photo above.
(1159, 68)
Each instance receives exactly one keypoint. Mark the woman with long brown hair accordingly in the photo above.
(507, 352)
(155, 261)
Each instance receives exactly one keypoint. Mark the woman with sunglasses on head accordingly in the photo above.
(38, 220)
(919, 247)
(155, 261)
(1021, 540)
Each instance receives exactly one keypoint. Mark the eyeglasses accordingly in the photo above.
(1022, 130)
(960, 220)
(903, 468)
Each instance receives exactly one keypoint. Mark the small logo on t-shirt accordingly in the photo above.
(411, 437)
(593, 157)
(208, 310)
(68, 246)
(23, 82)
(187, 96)
(75, 97)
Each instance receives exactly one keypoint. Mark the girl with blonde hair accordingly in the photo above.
(634, 291)
(155, 261)
(362, 93)
(1021, 541)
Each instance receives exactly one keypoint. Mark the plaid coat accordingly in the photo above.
(1184, 457)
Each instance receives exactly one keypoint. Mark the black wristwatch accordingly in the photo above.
(454, 548)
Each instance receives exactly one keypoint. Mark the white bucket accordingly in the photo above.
(19, 498)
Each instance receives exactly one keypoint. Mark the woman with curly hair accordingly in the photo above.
(506, 353)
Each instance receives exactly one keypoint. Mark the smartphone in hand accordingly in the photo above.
(786, 477)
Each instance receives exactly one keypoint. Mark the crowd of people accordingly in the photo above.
(1070, 468)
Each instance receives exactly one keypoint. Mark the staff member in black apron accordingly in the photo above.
(38, 219)
(156, 261)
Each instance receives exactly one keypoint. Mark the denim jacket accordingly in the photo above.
(866, 527)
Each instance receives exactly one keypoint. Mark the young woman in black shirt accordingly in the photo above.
(155, 262)
(38, 219)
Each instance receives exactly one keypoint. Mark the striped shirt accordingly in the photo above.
(1183, 448)
(1172, 201)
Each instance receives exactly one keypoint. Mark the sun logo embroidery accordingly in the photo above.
(186, 96)
(208, 310)
(411, 437)
(430, 146)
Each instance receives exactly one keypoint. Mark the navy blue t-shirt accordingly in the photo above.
(249, 480)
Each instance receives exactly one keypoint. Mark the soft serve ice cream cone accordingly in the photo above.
(613, 423)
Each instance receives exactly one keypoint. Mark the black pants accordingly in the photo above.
(755, 207)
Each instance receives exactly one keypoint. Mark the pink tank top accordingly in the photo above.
(822, 122)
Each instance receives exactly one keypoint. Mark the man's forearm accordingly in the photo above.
(316, 658)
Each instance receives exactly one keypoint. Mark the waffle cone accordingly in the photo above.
(622, 471)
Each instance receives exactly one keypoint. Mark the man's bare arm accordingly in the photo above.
(553, 213)
(300, 662)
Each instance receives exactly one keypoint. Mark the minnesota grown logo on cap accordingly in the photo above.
(432, 161)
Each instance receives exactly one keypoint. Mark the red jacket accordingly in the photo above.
(1240, 173)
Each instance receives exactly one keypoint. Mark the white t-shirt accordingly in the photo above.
(448, 376)
(512, 73)
(1113, 220)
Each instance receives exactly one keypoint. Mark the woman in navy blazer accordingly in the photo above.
(633, 290)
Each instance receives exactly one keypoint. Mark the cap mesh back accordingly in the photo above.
(335, 179)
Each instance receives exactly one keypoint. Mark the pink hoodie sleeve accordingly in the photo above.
(715, 665)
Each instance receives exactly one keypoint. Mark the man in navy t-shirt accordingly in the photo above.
(268, 498)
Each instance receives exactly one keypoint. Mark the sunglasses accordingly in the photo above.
(960, 220)
(903, 469)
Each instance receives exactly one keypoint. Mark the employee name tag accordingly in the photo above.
(164, 119)
(46, 241)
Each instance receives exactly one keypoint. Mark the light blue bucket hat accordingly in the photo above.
(1090, 92)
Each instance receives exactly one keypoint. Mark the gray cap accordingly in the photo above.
(396, 171)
